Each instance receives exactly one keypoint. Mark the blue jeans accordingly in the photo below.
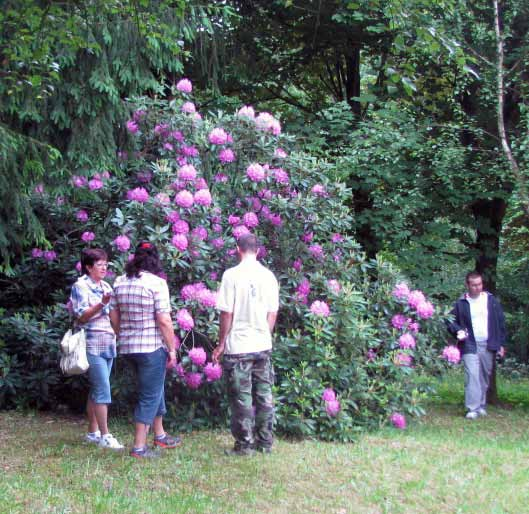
(150, 378)
(99, 376)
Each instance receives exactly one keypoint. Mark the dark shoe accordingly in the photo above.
(167, 441)
(239, 452)
(264, 449)
(144, 453)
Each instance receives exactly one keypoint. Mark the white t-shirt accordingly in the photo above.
(249, 291)
(479, 314)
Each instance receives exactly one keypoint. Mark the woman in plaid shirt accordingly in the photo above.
(90, 303)
(141, 313)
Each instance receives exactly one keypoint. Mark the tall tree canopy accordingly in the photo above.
(66, 69)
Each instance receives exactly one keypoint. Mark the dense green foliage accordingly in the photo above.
(395, 110)
(67, 69)
(403, 97)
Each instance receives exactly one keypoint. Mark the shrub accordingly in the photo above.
(192, 185)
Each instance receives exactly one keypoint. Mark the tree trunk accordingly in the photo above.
(364, 233)
(352, 79)
(488, 215)
(500, 94)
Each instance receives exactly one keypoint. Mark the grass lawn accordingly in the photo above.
(441, 463)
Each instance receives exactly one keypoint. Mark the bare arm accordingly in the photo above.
(165, 323)
(115, 320)
(94, 309)
(271, 318)
(226, 320)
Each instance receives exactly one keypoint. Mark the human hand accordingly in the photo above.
(217, 353)
(171, 360)
(461, 335)
(501, 352)
(106, 298)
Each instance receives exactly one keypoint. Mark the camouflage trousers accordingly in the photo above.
(250, 378)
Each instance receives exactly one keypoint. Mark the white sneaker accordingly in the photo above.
(109, 441)
(93, 437)
(470, 415)
(481, 411)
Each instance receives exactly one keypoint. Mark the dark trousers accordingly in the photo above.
(250, 378)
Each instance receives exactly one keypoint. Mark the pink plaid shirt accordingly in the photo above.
(138, 300)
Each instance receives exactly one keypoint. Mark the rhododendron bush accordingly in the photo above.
(350, 337)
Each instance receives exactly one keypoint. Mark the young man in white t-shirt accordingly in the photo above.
(479, 325)
(248, 301)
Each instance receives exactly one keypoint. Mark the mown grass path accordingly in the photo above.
(441, 463)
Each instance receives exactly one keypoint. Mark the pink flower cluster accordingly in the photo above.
(132, 126)
(47, 255)
(184, 199)
(425, 310)
(255, 172)
(184, 319)
(193, 380)
(184, 86)
(180, 242)
(139, 194)
(316, 251)
(319, 190)
(81, 216)
(398, 420)
(246, 112)
(188, 108)
(94, 184)
(334, 286)
(320, 308)
(403, 359)
(452, 354)
(218, 136)
(122, 243)
(240, 231)
(266, 122)
(281, 176)
(187, 173)
(203, 197)
(407, 341)
(191, 291)
(212, 371)
(398, 321)
(226, 155)
(200, 293)
(416, 300)
(198, 356)
(250, 220)
(401, 290)
(332, 404)
(199, 233)
(162, 199)
(207, 298)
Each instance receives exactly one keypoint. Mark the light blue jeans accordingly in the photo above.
(99, 376)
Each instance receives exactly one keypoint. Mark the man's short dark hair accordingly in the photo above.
(89, 256)
(248, 243)
(473, 274)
